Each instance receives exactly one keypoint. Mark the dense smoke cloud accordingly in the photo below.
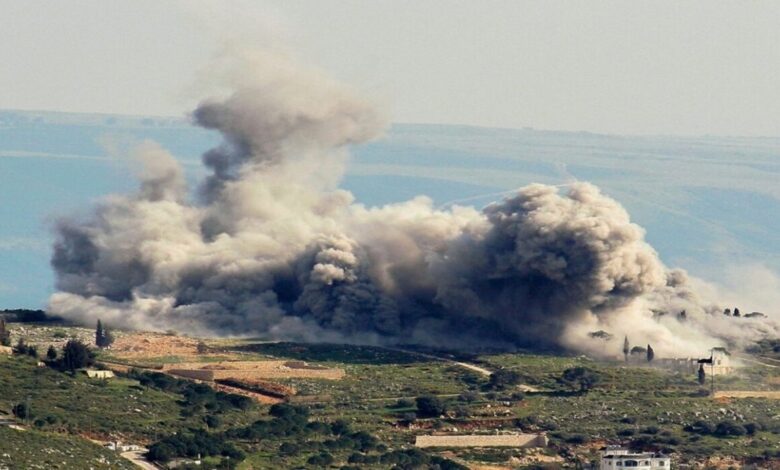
(270, 246)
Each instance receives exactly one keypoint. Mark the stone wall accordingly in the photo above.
(475, 440)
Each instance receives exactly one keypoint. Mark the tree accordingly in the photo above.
(503, 378)
(727, 312)
(32, 351)
(581, 377)
(626, 348)
(5, 335)
(99, 334)
(103, 337)
(108, 338)
(21, 411)
(702, 375)
(650, 353)
(76, 355)
(430, 406)
(161, 452)
(600, 334)
(21, 347)
(51, 354)
(736, 312)
(638, 350)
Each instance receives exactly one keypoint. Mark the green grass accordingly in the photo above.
(33, 449)
(628, 399)
(78, 404)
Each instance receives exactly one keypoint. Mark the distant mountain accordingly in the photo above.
(706, 202)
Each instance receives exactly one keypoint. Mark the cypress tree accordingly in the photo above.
(5, 335)
(626, 348)
(650, 353)
(51, 354)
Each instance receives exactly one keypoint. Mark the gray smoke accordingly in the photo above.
(271, 246)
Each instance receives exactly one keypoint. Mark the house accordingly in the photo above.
(119, 447)
(719, 363)
(99, 374)
(619, 458)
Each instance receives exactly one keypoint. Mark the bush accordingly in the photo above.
(576, 439)
(404, 403)
(322, 460)
(212, 421)
(469, 397)
(430, 406)
(76, 355)
(161, 452)
(21, 411)
(580, 377)
(503, 378)
(726, 428)
(700, 427)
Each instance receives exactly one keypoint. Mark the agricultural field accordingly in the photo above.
(368, 414)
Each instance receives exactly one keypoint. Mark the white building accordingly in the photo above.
(618, 458)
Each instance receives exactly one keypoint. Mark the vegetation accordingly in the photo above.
(368, 419)
(504, 378)
(103, 337)
(46, 450)
(580, 377)
(429, 406)
(76, 355)
(5, 335)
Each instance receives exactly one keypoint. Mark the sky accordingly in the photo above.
(619, 67)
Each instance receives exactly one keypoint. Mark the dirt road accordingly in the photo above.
(465, 365)
(137, 457)
(754, 361)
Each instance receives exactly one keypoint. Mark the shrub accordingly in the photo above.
(726, 428)
(404, 403)
(21, 411)
(212, 421)
(322, 460)
(430, 406)
(503, 378)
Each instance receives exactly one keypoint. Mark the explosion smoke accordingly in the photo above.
(272, 247)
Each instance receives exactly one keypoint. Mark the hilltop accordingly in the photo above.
(290, 405)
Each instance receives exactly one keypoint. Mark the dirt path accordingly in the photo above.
(465, 365)
(748, 359)
(137, 457)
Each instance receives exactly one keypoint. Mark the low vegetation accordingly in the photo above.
(369, 418)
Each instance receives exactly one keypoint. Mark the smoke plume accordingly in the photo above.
(269, 245)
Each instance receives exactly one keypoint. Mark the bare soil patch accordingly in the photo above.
(772, 394)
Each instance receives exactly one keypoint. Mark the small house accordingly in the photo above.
(99, 374)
